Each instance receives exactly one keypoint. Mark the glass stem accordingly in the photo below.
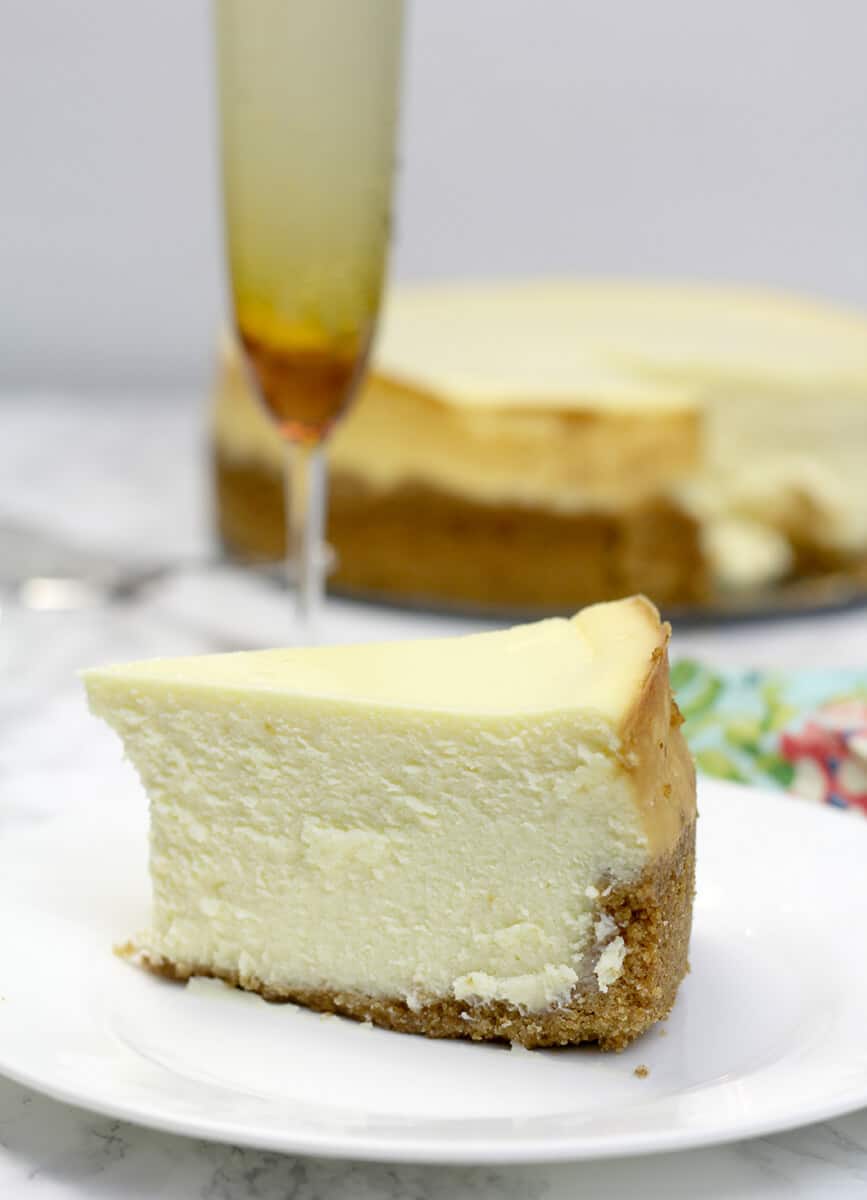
(305, 526)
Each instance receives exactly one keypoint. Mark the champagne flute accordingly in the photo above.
(308, 98)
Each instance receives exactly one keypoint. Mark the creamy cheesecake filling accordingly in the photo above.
(613, 439)
(370, 879)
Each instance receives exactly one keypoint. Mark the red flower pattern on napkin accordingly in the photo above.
(829, 755)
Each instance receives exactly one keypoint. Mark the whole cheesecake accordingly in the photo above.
(546, 445)
(488, 837)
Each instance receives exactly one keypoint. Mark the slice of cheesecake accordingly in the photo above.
(486, 837)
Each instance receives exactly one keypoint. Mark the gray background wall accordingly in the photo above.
(678, 137)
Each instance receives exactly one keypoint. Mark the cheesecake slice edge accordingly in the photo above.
(545, 860)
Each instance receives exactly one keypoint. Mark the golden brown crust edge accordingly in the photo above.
(654, 750)
(654, 917)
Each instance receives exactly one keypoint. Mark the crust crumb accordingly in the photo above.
(641, 1071)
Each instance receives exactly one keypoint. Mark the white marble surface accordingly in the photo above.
(124, 476)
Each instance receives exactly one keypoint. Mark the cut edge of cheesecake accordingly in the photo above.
(633, 964)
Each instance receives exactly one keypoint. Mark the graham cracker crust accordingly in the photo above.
(421, 544)
(654, 917)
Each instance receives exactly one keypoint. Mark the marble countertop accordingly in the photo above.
(122, 479)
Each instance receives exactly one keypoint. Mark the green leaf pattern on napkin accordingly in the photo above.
(803, 731)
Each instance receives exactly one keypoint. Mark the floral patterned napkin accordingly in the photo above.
(805, 731)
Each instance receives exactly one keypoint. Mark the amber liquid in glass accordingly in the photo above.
(304, 387)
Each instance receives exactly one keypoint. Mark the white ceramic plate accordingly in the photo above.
(769, 1030)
